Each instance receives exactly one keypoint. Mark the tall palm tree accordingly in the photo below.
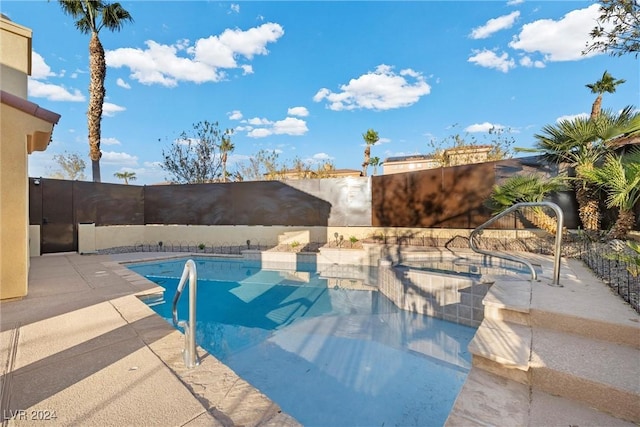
(370, 138)
(126, 176)
(606, 84)
(226, 147)
(527, 188)
(581, 144)
(91, 16)
(619, 176)
(375, 162)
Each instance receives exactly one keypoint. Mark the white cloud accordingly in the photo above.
(39, 68)
(494, 25)
(119, 159)
(234, 8)
(381, 89)
(321, 157)
(526, 61)
(290, 126)
(562, 40)
(257, 121)
(572, 117)
(234, 115)
(489, 59)
(123, 84)
(514, 2)
(109, 141)
(298, 111)
(110, 110)
(204, 61)
(259, 133)
(38, 89)
(483, 127)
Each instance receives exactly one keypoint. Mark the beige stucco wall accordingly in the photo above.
(21, 132)
(14, 197)
(15, 60)
(129, 235)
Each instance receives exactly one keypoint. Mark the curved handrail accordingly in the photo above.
(189, 353)
(558, 243)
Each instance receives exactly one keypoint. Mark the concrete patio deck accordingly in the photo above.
(83, 348)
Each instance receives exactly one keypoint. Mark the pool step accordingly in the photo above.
(549, 353)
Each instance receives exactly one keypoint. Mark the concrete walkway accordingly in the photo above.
(82, 349)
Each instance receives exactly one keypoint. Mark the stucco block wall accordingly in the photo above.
(14, 210)
(14, 198)
(15, 63)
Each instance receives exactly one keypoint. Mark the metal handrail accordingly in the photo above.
(189, 353)
(558, 244)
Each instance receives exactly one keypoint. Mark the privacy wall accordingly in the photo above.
(437, 198)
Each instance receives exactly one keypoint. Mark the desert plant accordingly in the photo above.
(353, 240)
(619, 176)
(527, 188)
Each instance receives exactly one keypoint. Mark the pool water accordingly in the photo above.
(328, 356)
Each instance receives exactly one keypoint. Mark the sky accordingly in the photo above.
(306, 79)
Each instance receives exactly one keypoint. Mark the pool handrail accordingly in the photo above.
(189, 353)
(558, 241)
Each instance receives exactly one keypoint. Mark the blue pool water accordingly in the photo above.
(328, 356)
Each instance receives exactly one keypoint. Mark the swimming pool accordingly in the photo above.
(327, 355)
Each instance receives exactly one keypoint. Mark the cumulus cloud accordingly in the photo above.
(526, 61)
(262, 127)
(290, 126)
(123, 84)
(562, 40)
(483, 127)
(39, 68)
(489, 59)
(259, 133)
(234, 115)
(38, 89)
(109, 141)
(257, 121)
(494, 25)
(298, 111)
(110, 110)
(119, 159)
(382, 89)
(204, 61)
(321, 157)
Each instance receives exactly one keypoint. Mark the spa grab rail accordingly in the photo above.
(189, 353)
(558, 244)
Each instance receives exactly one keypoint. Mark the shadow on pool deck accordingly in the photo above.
(83, 348)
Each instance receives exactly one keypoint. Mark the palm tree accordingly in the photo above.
(370, 138)
(606, 84)
(582, 143)
(375, 162)
(619, 176)
(226, 147)
(126, 176)
(527, 188)
(91, 16)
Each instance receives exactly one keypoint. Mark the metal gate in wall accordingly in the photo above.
(51, 207)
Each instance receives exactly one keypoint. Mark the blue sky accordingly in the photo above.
(309, 78)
